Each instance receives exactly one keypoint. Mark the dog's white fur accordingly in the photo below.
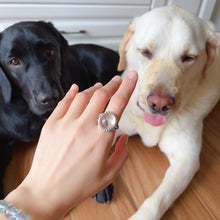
(171, 33)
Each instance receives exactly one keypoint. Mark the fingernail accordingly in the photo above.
(132, 75)
(116, 79)
(73, 87)
(98, 85)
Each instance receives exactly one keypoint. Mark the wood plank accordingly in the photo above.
(144, 169)
(121, 207)
(206, 183)
(150, 165)
(187, 206)
(19, 166)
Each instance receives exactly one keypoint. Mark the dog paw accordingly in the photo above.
(105, 195)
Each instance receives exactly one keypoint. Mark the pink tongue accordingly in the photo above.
(155, 120)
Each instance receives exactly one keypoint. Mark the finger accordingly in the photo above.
(120, 99)
(65, 103)
(101, 98)
(81, 101)
(118, 158)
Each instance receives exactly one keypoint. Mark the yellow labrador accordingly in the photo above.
(176, 56)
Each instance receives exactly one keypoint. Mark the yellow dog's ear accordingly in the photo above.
(211, 46)
(124, 46)
(212, 42)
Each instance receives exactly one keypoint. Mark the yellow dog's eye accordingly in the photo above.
(147, 53)
(187, 58)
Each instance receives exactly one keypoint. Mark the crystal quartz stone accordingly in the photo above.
(107, 121)
(3, 206)
(11, 212)
(21, 216)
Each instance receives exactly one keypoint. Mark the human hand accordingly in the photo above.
(72, 159)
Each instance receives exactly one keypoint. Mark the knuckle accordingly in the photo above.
(84, 95)
(64, 101)
(101, 94)
(119, 100)
(48, 127)
(110, 176)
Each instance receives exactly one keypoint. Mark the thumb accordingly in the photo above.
(118, 158)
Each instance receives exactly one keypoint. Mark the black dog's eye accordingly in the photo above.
(50, 54)
(147, 53)
(15, 61)
(187, 58)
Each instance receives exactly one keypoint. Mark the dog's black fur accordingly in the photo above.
(37, 67)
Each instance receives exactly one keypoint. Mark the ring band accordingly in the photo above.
(107, 121)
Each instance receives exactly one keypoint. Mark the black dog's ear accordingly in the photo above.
(5, 86)
(59, 36)
(50, 27)
(62, 42)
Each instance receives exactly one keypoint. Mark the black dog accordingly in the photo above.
(37, 67)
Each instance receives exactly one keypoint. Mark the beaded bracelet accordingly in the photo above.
(11, 211)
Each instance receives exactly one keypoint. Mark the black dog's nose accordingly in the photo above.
(48, 99)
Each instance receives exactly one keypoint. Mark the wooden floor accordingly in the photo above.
(141, 175)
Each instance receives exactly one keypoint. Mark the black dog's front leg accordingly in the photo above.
(105, 195)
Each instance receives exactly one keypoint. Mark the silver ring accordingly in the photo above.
(107, 121)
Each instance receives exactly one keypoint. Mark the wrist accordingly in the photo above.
(3, 217)
(33, 204)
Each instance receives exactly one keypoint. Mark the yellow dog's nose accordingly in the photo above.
(160, 103)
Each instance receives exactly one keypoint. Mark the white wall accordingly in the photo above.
(216, 15)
